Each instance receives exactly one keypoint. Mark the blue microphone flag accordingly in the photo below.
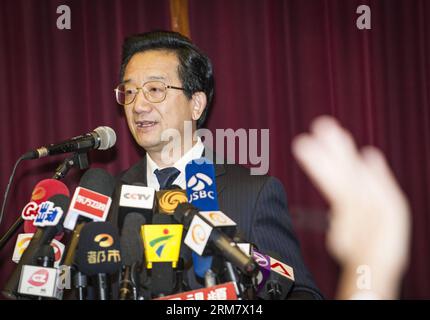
(201, 186)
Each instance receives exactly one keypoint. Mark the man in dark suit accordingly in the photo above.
(166, 82)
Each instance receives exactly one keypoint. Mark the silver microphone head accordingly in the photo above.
(107, 137)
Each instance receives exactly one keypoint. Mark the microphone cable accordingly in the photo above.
(6, 193)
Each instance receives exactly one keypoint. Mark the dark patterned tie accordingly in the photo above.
(166, 176)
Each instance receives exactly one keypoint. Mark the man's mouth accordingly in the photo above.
(145, 124)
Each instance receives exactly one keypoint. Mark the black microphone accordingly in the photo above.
(101, 138)
(43, 236)
(163, 280)
(46, 256)
(98, 254)
(132, 253)
(93, 180)
(185, 214)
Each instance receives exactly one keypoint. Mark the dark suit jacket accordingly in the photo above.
(258, 205)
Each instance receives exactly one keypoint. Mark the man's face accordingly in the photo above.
(148, 120)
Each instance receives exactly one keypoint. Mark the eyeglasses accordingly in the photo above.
(154, 91)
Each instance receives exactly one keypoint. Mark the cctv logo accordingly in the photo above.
(137, 196)
(198, 183)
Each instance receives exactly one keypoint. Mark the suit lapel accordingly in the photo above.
(219, 173)
(137, 173)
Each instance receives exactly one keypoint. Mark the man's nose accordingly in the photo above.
(141, 104)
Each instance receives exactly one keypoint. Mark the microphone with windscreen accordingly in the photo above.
(91, 201)
(42, 191)
(101, 138)
(98, 254)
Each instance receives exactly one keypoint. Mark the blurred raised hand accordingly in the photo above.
(369, 214)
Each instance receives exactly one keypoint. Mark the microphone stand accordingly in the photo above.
(78, 159)
(233, 277)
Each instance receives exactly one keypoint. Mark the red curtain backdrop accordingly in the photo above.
(278, 64)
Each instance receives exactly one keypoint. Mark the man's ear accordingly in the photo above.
(198, 104)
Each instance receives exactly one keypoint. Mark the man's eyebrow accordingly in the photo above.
(157, 78)
(150, 78)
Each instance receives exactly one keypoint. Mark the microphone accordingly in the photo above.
(92, 198)
(42, 192)
(91, 201)
(98, 254)
(201, 187)
(43, 236)
(96, 183)
(200, 232)
(132, 253)
(101, 138)
(275, 279)
(41, 280)
(162, 244)
(201, 190)
(201, 175)
(166, 202)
